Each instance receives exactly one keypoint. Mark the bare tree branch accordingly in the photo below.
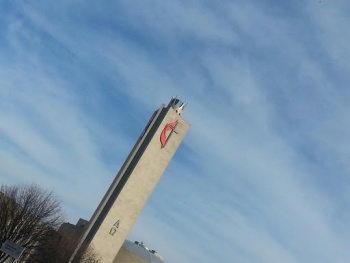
(27, 215)
(30, 217)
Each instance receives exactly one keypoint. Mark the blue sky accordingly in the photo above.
(263, 173)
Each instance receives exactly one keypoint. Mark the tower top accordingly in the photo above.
(177, 104)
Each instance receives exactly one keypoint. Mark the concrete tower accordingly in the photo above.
(135, 182)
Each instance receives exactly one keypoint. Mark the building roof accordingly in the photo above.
(143, 252)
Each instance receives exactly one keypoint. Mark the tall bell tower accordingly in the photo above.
(135, 182)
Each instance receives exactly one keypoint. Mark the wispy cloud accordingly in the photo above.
(261, 175)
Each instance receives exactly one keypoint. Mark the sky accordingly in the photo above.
(262, 175)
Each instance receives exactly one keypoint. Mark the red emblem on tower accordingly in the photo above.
(165, 135)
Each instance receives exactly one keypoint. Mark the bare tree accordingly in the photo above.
(89, 256)
(28, 217)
